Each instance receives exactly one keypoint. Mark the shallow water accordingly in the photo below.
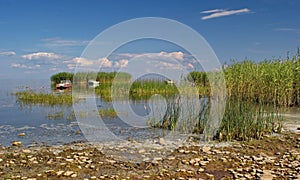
(291, 117)
(33, 120)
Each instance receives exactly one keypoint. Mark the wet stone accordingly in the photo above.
(21, 134)
(68, 173)
(17, 143)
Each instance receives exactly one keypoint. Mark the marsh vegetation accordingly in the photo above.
(255, 92)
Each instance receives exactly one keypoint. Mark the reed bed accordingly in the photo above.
(268, 82)
(245, 120)
(51, 99)
(242, 120)
(139, 90)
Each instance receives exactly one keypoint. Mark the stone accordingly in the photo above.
(27, 151)
(248, 176)
(200, 170)
(141, 151)
(146, 159)
(161, 141)
(73, 175)
(21, 134)
(197, 159)
(59, 173)
(255, 158)
(111, 161)
(267, 174)
(156, 159)
(192, 161)
(181, 150)
(195, 152)
(203, 163)
(17, 143)
(50, 171)
(70, 160)
(206, 149)
(171, 158)
(210, 176)
(68, 173)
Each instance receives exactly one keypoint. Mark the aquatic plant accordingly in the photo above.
(51, 99)
(108, 112)
(272, 82)
(244, 120)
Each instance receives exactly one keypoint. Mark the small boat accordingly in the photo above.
(93, 83)
(169, 81)
(64, 84)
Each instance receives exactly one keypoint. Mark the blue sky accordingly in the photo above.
(40, 38)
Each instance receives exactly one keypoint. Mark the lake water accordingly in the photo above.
(34, 121)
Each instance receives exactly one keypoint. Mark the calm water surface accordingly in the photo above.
(34, 121)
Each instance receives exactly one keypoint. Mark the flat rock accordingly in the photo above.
(26, 151)
(59, 173)
(17, 143)
(68, 173)
(267, 175)
(21, 134)
(161, 141)
(206, 149)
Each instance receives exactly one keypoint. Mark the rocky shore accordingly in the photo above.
(273, 157)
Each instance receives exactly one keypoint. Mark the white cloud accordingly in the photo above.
(285, 29)
(169, 65)
(89, 63)
(23, 66)
(176, 60)
(7, 53)
(189, 65)
(83, 61)
(58, 42)
(161, 55)
(105, 63)
(42, 55)
(115, 61)
(177, 55)
(71, 66)
(212, 11)
(220, 13)
(53, 69)
(121, 64)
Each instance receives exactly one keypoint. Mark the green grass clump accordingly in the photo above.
(108, 112)
(245, 121)
(51, 99)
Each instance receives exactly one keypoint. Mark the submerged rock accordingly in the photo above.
(21, 134)
(17, 143)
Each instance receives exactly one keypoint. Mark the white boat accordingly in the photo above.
(64, 84)
(93, 83)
